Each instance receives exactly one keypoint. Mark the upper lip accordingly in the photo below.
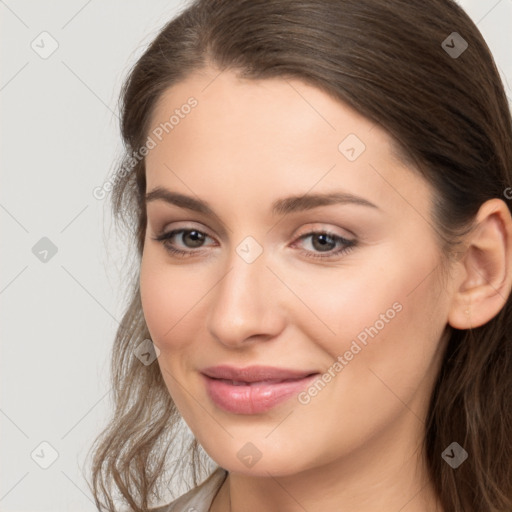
(254, 373)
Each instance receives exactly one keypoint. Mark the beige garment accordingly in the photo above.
(198, 499)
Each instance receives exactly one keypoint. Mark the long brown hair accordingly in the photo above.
(448, 115)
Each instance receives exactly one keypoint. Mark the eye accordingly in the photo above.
(191, 238)
(324, 242)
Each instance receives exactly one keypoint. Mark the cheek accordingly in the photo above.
(391, 294)
(388, 319)
(156, 297)
(390, 339)
(387, 335)
(338, 305)
(170, 299)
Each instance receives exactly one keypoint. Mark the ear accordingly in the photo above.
(484, 277)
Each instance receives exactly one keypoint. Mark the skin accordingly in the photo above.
(358, 442)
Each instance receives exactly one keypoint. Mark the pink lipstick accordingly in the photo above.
(254, 389)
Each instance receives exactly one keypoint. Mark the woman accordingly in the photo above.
(318, 196)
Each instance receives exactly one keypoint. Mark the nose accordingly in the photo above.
(244, 304)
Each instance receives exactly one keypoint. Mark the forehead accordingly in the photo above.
(273, 110)
(263, 135)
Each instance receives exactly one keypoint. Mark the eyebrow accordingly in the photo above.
(279, 207)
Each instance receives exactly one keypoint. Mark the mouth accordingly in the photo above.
(253, 390)
(260, 382)
(252, 374)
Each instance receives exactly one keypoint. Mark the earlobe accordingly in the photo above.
(485, 268)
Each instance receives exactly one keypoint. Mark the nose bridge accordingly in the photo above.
(242, 304)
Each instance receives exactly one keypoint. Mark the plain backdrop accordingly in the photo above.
(63, 271)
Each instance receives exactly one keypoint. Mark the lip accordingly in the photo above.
(257, 388)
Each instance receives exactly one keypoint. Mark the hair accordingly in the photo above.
(449, 118)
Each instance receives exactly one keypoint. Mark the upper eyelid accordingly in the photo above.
(180, 231)
(317, 228)
(310, 232)
(223, 229)
(185, 229)
(202, 218)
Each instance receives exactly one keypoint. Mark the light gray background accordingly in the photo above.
(59, 141)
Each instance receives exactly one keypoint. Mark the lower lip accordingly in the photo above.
(254, 398)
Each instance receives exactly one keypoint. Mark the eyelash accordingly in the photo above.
(347, 244)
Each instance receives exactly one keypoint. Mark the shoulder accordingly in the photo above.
(199, 498)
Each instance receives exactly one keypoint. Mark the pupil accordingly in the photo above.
(324, 243)
(196, 238)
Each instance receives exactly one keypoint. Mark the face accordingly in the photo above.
(341, 298)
